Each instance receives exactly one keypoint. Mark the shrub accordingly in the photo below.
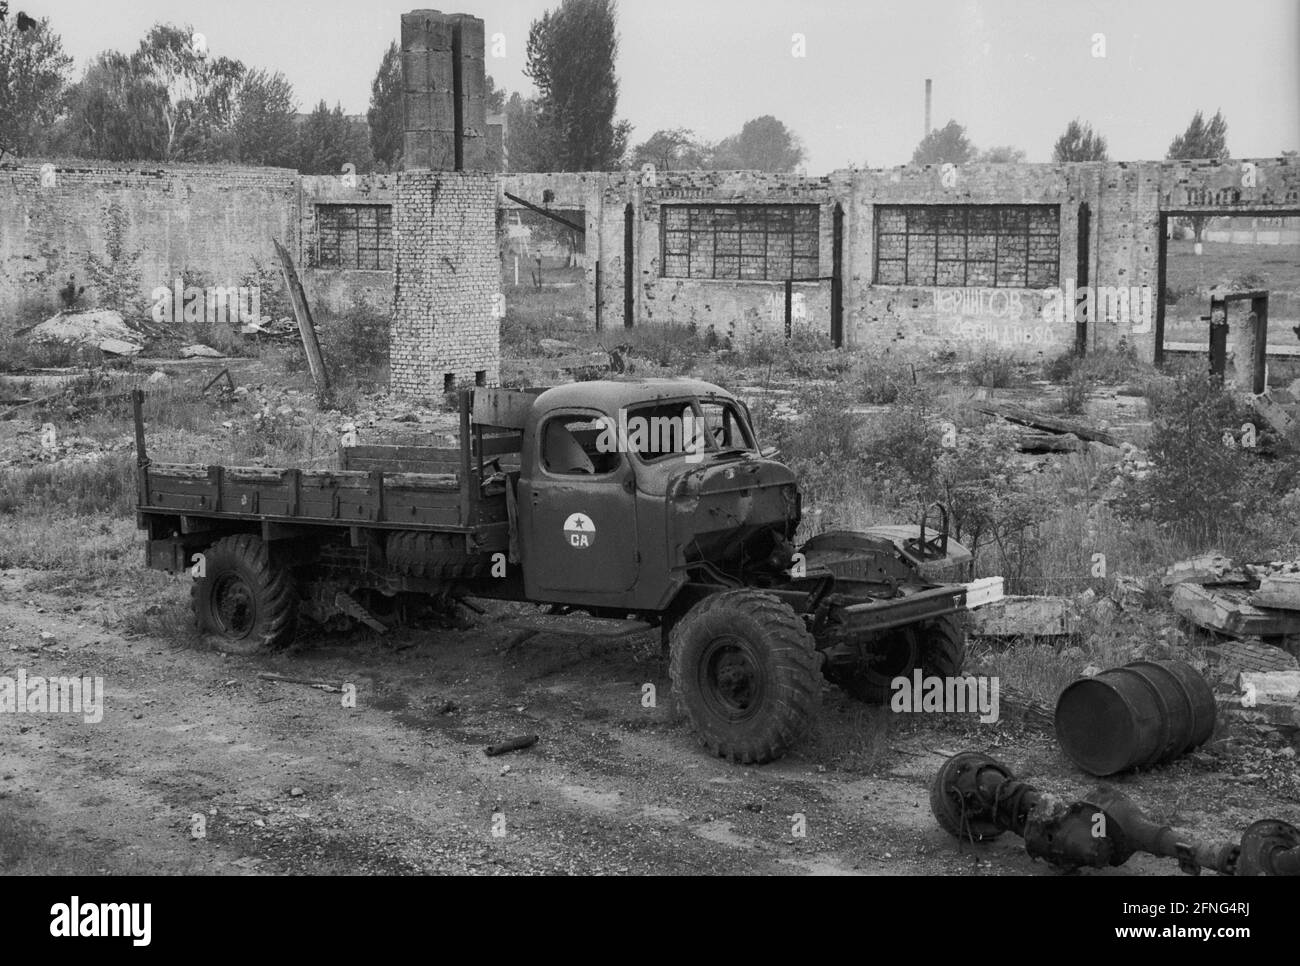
(355, 343)
(992, 371)
(1060, 368)
(1075, 397)
(882, 382)
(1200, 485)
(115, 276)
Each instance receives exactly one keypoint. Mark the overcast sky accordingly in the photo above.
(1012, 71)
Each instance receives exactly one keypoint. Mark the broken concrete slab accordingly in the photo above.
(119, 347)
(1024, 617)
(1278, 591)
(1207, 568)
(985, 590)
(557, 347)
(1272, 413)
(201, 352)
(1229, 611)
(1270, 685)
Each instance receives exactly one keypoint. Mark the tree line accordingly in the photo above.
(173, 100)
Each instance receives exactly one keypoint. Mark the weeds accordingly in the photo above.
(992, 371)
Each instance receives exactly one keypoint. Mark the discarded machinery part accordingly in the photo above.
(1135, 832)
(977, 798)
(511, 744)
(961, 793)
(1270, 847)
(1134, 716)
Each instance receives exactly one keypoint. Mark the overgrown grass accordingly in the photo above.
(1105, 365)
(993, 371)
(74, 489)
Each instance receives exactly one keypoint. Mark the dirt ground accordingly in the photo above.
(289, 781)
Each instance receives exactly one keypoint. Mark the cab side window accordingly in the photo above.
(570, 447)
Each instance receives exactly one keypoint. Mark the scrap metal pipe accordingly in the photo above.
(977, 798)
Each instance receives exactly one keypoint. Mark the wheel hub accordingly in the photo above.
(901, 654)
(733, 680)
(234, 605)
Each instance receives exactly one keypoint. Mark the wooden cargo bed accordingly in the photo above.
(380, 485)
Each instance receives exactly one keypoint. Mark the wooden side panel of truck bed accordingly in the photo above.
(348, 497)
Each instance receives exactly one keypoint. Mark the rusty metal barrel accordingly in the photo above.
(1135, 716)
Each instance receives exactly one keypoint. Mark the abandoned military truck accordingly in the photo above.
(616, 505)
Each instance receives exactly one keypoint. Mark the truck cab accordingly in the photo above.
(625, 488)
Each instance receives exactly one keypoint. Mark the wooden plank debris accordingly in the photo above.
(315, 361)
(1049, 443)
(1230, 611)
(1051, 424)
(1250, 655)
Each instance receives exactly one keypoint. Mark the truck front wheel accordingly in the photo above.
(745, 670)
(243, 601)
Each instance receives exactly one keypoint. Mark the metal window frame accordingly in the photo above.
(347, 241)
(767, 210)
(998, 234)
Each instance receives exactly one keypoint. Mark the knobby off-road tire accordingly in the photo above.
(437, 556)
(937, 647)
(244, 603)
(745, 670)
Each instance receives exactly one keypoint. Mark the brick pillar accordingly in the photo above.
(444, 91)
(444, 331)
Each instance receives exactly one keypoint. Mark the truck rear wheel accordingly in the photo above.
(244, 602)
(744, 669)
(937, 647)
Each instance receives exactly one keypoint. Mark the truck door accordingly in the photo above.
(577, 515)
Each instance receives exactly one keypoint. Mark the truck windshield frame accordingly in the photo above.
(731, 413)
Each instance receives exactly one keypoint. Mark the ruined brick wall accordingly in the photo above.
(335, 289)
(570, 193)
(444, 332)
(216, 221)
(734, 308)
(1121, 203)
(972, 320)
